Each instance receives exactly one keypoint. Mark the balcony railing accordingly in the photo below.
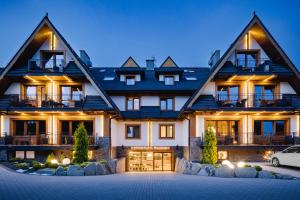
(42, 139)
(254, 100)
(43, 65)
(45, 101)
(254, 65)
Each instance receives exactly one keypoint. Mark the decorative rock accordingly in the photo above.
(75, 170)
(209, 169)
(90, 169)
(60, 171)
(203, 172)
(180, 165)
(266, 174)
(176, 164)
(101, 169)
(245, 172)
(225, 172)
(21, 170)
(196, 167)
(46, 172)
(121, 163)
(112, 165)
(187, 167)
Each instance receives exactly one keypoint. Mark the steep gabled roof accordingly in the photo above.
(255, 21)
(130, 62)
(46, 22)
(169, 62)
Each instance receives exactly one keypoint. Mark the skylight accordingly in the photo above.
(189, 70)
(102, 70)
(190, 78)
(108, 78)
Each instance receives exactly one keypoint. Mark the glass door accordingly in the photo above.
(134, 161)
(147, 161)
(167, 161)
(158, 161)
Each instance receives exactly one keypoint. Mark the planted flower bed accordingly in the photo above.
(226, 170)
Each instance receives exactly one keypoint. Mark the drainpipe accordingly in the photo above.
(189, 142)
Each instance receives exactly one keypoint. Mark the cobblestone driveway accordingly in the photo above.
(142, 186)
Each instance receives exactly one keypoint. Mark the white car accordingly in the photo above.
(288, 157)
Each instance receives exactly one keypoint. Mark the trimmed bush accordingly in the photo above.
(81, 144)
(36, 165)
(258, 168)
(49, 158)
(23, 165)
(210, 152)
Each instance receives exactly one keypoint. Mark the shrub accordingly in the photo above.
(210, 154)
(81, 145)
(61, 157)
(258, 168)
(103, 161)
(23, 165)
(49, 158)
(36, 165)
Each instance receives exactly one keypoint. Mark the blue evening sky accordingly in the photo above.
(112, 30)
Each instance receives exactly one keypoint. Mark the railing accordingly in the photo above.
(256, 100)
(45, 101)
(42, 139)
(254, 65)
(46, 65)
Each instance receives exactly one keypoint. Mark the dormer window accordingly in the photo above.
(169, 80)
(130, 80)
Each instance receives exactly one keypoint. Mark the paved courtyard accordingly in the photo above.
(142, 186)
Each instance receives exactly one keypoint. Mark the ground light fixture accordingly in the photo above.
(228, 163)
(54, 161)
(66, 161)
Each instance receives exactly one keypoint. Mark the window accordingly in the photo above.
(167, 104)
(169, 80)
(269, 127)
(133, 131)
(69, 94)
(133, 103)
(69, 127)
(228, 93)
(247, 58)
(130, 80)
(227, 131)
(166, 131)
(29, 127)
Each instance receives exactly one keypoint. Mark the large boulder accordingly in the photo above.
(121, 165)
(187, 167)
(203, 172)
(180, 166)
(112, 166)
(224, 171)
(90, 169)
(46, 172)
(196, 167)
(177, 164)
(266, 174)
(245, 172)
(60, 171)
(101, 169)
(207, 169)
(75, 170)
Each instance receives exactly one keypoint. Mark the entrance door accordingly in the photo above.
(158, 162)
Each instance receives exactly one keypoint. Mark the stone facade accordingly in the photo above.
(195, 149)
(3, 155)
(104, 148)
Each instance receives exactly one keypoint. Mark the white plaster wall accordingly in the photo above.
(181, 134)
(200, 129)
(286, 88)
(5, 120)
(210, 89)
(118, 137)
(137, 77)
(119, 101)
(294, 124)
(180, 101)
(14, 88)
(149, 101)
(89, 89)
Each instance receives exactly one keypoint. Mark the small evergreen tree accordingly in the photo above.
(210, 152)
(81, 144)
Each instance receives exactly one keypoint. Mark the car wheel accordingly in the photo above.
(275, 162)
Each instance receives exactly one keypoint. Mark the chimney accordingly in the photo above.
(150, 63)
(214, 58)
(85, 58)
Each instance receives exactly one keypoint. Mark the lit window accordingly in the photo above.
(169, 80)
(191, 78)
(133, 131)
(166, 131)
(222, 155)
(133, 103)
(108, 78)
(130, 80)
(166, 103)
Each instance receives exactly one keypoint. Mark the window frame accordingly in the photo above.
(25, 127)
(274, 131)
(247, 52)
(130, 77)
(133, 109)
(166, 99)
(126, 132)
(169, 76)
(166, 129)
